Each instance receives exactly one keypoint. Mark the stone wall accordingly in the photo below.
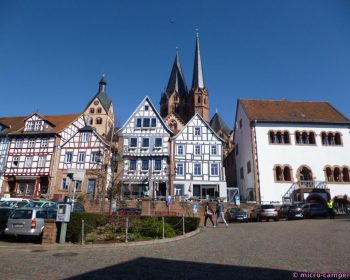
(50, 232)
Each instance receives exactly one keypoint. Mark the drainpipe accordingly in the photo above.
(255, 151)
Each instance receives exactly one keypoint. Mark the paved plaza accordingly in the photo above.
(266, 250)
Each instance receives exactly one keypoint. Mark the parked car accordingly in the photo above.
(14, 203)
(78, 207)
(28, 221)
(290, 211)
(41, 204)
(129, 211)
(4, 214)
(264, 212)
(313, 210)
(236, 215)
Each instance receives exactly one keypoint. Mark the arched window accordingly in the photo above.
(331, 139)
(297, 137)
(305, 138)
(312, 139)
(337, 139)
(272, 136)
(304, 174)
(279, 176)
(346, 177)
(286, 137)
(99, 121)
(279, 137)
(324, 138)
(329, 176)
(336, 175)
(92, 110)
(287, 174)
(99, 110)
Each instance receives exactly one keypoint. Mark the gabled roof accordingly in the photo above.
(177, 79)
(102, 96)
(217, 123)
(155, 111)
(198, 79)
(292, 111)
(16, 124)
(205, 123)
(88, 128)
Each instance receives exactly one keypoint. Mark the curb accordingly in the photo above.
(69, 246)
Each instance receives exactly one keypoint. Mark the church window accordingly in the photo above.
(99, 121)
(92, 110)
(99, 110)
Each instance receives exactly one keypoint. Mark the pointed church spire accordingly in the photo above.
(198, 79)
(177, 79)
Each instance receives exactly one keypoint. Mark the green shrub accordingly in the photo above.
(92, 221)
(153, 227)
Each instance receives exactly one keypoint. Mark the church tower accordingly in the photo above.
(99, 113)
(198, 96)
(173, 106)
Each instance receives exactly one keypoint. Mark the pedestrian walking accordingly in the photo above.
(330, 209)
(208, 213)
(220, 213)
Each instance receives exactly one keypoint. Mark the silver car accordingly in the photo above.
(264, 212)
(28, 221)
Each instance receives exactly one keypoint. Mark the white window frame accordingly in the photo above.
(68, 157)
(182, 150)
(195, 165)
(31, 143)
(81, 157)
(214, 148)
(19, 143)
(197, 151)
(217, 169)
(197, 131)
(180, 167)
(28, 161)
(161, 142)
(45, 142)
(85, 137)
(41, 161)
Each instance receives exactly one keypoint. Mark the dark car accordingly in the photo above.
(236, 215)
(290, 212)
(129, 211)
(4, 215)
(313, 210)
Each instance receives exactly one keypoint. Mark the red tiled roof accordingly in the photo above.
(16, 124)
(292, 111)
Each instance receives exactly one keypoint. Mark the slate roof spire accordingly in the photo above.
(102, 96)
(198, 79)
(102, 84)
(177, 79)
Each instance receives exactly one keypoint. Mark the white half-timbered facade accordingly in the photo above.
(32, 148)
(87, 153)
(144, 143)
(197, 157)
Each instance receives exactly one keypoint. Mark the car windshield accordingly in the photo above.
(267, 207)
(22, 214)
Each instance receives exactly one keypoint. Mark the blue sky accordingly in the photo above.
(53, 53)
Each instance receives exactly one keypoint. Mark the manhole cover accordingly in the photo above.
(68, 254)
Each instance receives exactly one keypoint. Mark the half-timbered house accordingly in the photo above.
(145, 149)
(197, 157)
(83, 165)
(33, 143)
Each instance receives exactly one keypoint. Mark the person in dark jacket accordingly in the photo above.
(208, 214)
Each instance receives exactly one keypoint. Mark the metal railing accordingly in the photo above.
(304, 184)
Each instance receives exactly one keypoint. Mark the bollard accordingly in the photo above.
(183, 224)
(126, 229)
(163, 226)
(82, 232)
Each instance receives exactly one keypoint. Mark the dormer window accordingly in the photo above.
(34, 126)
(37, 125)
